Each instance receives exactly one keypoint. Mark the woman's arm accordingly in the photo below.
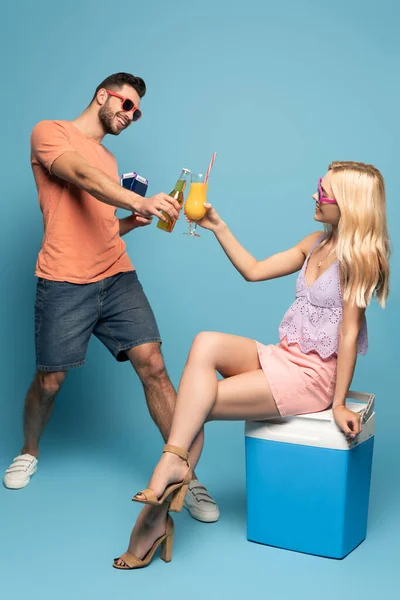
(249, 267)
(352, 321)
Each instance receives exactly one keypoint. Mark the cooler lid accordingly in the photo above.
(316, 429)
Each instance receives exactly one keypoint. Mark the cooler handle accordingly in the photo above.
(368, 399)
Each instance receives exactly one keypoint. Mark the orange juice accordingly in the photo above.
(194, 205)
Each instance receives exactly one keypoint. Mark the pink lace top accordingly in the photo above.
(314, 318)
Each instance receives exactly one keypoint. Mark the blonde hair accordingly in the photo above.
(363, 246)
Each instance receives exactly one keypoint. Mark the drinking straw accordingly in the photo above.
(210, 167)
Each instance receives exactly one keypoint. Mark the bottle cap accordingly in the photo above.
(186, 170)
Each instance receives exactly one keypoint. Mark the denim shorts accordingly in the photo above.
(114, 309)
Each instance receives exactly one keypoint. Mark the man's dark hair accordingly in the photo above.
(116, 81)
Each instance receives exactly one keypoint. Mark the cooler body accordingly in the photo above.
(307, 489)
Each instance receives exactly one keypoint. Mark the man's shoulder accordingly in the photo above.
(51, 124)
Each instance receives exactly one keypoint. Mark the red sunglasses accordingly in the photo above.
(321, 198)
(127, 105)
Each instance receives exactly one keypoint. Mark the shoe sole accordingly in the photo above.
(16, 486)
(199, 516)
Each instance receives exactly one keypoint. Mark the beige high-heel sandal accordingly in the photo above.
(177, 490)
(166, 542)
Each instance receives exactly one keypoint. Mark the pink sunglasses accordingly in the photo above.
(321, 198)
(127, 105)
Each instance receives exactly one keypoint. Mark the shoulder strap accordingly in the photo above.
(319, 240)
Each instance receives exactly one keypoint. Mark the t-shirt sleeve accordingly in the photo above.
(49, 140)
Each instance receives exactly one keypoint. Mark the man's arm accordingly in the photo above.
(72, 167)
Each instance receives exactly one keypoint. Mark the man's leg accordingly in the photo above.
(39, 405)
(65, 315)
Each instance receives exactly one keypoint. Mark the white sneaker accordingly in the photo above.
(200, 504)
(19, 474)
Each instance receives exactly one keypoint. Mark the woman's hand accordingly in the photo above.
(348, 421)
(211, 219)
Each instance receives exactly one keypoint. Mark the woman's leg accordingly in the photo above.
(150, 526)
(238, 355)
(243, 394)
(201, 397)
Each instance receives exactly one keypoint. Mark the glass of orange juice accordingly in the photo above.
(194, 205)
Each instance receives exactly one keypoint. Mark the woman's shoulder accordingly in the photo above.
(309, 241)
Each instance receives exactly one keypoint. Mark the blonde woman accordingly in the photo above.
(312, 366)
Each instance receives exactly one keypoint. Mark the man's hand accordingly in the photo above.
(153, 207)
(348, 421)
(139, 221)
(133, 222)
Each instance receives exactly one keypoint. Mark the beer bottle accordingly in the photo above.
(177, 194)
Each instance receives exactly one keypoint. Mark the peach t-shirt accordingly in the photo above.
(81, 242)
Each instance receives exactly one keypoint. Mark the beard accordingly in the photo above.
(107, 119)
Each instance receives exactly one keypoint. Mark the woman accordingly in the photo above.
(309, 370)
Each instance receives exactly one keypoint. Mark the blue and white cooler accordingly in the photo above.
(307, 487)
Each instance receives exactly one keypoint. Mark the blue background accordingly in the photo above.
(279, 90)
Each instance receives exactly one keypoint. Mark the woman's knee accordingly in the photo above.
(49, 383)
(205, 345)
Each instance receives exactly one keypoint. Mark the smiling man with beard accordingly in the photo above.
(86, 281)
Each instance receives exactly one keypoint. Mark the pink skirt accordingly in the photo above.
(300, 383)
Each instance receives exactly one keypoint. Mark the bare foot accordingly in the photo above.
(170, 469)
(149, 527)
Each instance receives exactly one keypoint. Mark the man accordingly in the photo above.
(86, 281)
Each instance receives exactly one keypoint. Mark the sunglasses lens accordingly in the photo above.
(136, 115)
(127, 105)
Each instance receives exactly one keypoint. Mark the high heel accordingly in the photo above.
(178, 498)
(166, 547)
(177, 490)
(166, 542)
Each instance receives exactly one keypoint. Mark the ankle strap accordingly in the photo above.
(178, 451)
